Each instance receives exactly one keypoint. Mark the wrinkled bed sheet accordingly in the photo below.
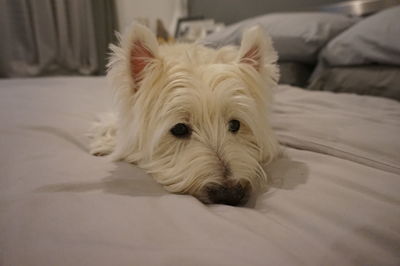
(360, 129)
(334, 197)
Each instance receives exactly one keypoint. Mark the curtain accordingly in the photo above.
(50, 37)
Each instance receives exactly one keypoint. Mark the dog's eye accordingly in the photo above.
(234, 126)
(181, 130)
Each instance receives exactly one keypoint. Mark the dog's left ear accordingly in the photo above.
(256, 49)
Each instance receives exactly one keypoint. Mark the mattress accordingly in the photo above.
(333, 198)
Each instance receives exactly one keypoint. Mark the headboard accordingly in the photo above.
(231, 11)
(359, 7)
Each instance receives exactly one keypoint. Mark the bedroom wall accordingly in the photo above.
(230, 11)
(166, 10)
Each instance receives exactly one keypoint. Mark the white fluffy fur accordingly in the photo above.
(202, 87)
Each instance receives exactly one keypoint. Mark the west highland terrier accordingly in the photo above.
(195, 118)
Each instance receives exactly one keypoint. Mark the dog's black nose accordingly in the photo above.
(228, 194)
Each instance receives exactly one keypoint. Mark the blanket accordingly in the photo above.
(333, 200)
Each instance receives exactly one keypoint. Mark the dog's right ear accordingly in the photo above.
(143, 48)
(257, 50)
(137, 50)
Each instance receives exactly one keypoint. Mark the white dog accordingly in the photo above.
(193, 117)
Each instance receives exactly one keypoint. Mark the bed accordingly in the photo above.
(333, 198)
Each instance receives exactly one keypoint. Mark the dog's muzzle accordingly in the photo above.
(234, 195)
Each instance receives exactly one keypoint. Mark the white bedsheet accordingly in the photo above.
(334, 196)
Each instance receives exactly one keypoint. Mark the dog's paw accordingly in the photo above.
(102, 144)
(102, 135)
(99, 154)
(100, 151)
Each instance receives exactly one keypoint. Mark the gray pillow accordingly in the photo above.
(297, 36)
(375, 39)
(376, 80)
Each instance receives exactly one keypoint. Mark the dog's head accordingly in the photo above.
(194, 117)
